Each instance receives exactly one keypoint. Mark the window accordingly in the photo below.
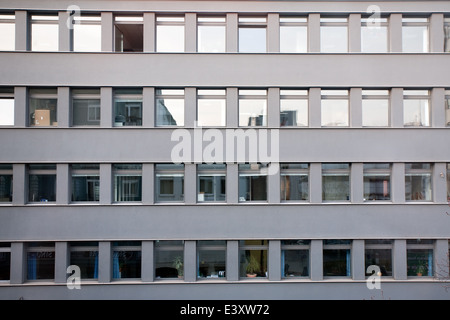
(294, 181)
(252, 182)
(416, 108)
(211, 259)
(6, 106)
(211, 33)
(170, 34)
(253, 258)
(127, 182)
(86, 107)
(129, 33)
(169, 259)
(448, 182)
(126, 259)
(44, 33)
(333, 35)
(447, 107)
(418, 181)
(293, 108)
(335, 108)
(293, 34)
(252, 34)
(169, 182)
(295, 258)
(85, 182)
(375, 108)
(6, 183)
(252, 108)
(7, 32)
(42, 183)
(41, 261)
(374, 35)
(377, 181)
(85, 256)
(447, 35)
(211, 108)
(420, 258)
(211, 182)
(5, 261)
(128, 107)
(337, 258)
(43, 107)
(335, 182)
(379, 253)
(170, 107)
(87, 34)
(415, 35)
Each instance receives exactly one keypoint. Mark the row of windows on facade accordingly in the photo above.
(211, 182)
(211, 107)
(168, 261)
(211, 33)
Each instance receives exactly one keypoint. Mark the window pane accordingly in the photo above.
(335, 187)
(252, 40)
(295, 263)
(294, 187)
(169, 183)
(6, 181)
(87, 38)
(381, 258)
(447, 107)
(5, 265)
(420, 262)
(170, 112)
(127, 188)
(377, 187)
(169, 259)
(41, 262)
(85, 188)
(43, 107)
(294, 112)
(44, 37)
(211, 183)
(375, 112)
(447, 36)
(335, 113)
(211, 261)
(85, 256)
(126, 263)
(374, 39)
(211, 112)
(336, 262)
(211, 38)
(253, 263)
(42, 187)
(415, 38)
(128, 110)
(293, 39)
(252, 112)
(252, 184)
(416, 112)
(7, 33)
(86, 112)
(333, 39)
(170, 38)
(418, 187)
(7, 112)
(448, 182)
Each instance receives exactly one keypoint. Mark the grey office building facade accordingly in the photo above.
(224, 149)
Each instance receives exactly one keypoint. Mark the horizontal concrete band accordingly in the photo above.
(224, 70)
(225, 222)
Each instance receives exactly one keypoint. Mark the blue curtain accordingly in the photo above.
(116, 271)
(430, 263)
(96, 266)
(349, 262)
(283, 266)
(31, 266)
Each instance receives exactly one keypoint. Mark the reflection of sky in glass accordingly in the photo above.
(211, 39)
(252, 40)
(7, 37)
(334, 113)
(6, 112)
(416, 112)
(297, 108)
(252, 108)
(175, 108)
(333, 39)
(293, 39)
(375, 113)
(211, 112)
(170, 39)
(44, 37)
(415, 38)
(87, 38)
(374, 39)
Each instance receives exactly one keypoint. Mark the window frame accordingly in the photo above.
(416, 95)
(423, 246)
(116, 248)
(381, 245)
(5, 248)
(47, 94)
(408, 21)
(7, 93)
(87, 20)
(295, 247)
(380, 172)
(7, 170)
(341, 172)
(43, 19)
(171, 20)
(213, 96)
(257, 95)
(170, 247)
(201, 246)
(284, 172)
(40, 172)
(327, 21)
(85, 172)
(42, 247)
(169, 94)
(339, 245)
(170, 172)
(326, 95)
(9, 18)
(302, 22)
(243, 248)
(296, 95)
(383, 22)
(252, 22)
(366, 96)
(212, 23)
(419, 172)
(127, 19)
(249, 174)
(77, 94)
(80, 247)
(211, 172)
(135, 173)
(447, 103)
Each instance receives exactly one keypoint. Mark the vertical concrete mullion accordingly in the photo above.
(149, 32)
(273, 107)
(396, 107)
(107, 31)
(274, 266)
(232, 183)
(399, 260)
(62, 260)
(106, 183)
(439, 183)
(437, 32)
(232, 36)
(438, 108)
(190, 261)
(148, 107)
(357, 183)
(232, 260)
(395, 32)
(358, 263)
(65, 33)
(106, 108)
(398, 183)
(18, 273)
(190, 183)
(190, 32)
(316, 264)
(273, 183)
(20, 185)
(441, 259)
(64, 106)
(63, 183)
(104, 262)
(315, 108)
(354, 32)
(190, 107)
(315, 183)
(148, 191)
(148, 253)
(23, 31)
(20, 107)
(355, 107)
(232, 102)
(314, 32)
(273, 32)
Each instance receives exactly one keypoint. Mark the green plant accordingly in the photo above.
(421, 268)
(178, 264)
(252, 265)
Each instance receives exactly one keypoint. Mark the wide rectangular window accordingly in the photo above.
(447, 35)
(335, 182)
(128, 107)
(333, 35)
(127, 256)
(211, 182)
(252, 108)
(416, 108)
(337, 258)
(379, 253)
(6, 106)
(87, 33)
(418, 184)
(85, 182)
(374, 35)
(44, 33)
(170, 34)
(86, 107)
(294, 181)
(169, 182)
(293, 34)
(253, 258)
(129, 33)
(415, 35)
(85, 256)
(377, 181)
(375, 108)
(43, 107)
(294, 108)
(7, 32)
(6, 183)
(169, 259)
(447, 107)
(5, 261)
(41, 261)
(211, 34)
(211, 108)
(295, 260)
(170, 107)
(252, 182)
(211, 257)
(420, 257)
(335, 108)
(127, 182)
(252, 34)
(42, 183)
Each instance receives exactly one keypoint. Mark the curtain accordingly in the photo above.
(116, 271)
(96, 266)
(349, 262)
(31, 266)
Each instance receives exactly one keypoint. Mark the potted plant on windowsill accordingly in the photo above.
(253, 267)
(421, 269)
(178, 264)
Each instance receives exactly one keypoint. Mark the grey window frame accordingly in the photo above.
(326, 94)
(367, 96)
(7, 93)
(255, 24)
(164, 20)
(167, 96)
(378, 172)
(295, 94)
(326, 21)
(212, 24)
(408, 94)
(296, 247)
(243, 95)
(420, 172)
(76, 95)
(137, 173)
(215, 247)
(298, 23)
(169, 173)
(222, 97)
(7, 172)
(294, 172)
(410, 23)
(380, 246)
(86, 172)
(11, 21)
